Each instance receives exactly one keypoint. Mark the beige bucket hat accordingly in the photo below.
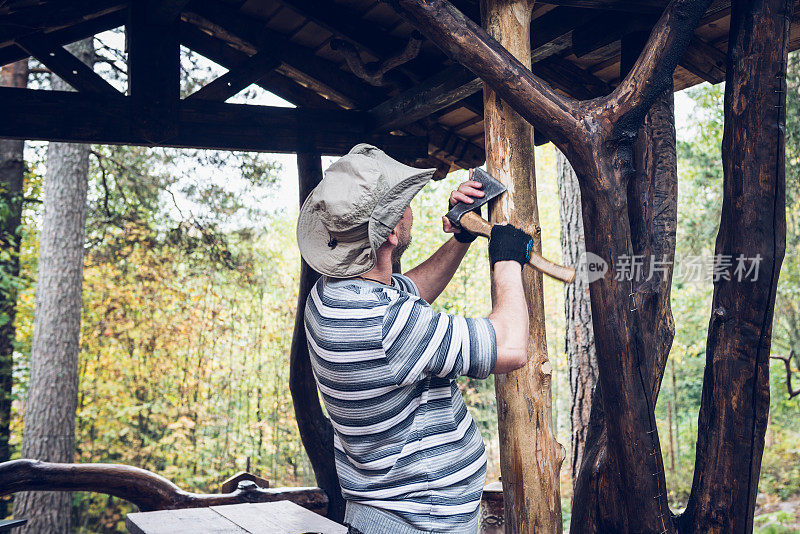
(350, 214)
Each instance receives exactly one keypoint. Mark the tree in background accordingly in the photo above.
(12, 172)
(49, 432)
(579, 335)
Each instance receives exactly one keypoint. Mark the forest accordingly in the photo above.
(190, 292)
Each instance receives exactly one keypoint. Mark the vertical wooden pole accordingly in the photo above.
(530, 458)
(315, 429)
(153, 70)
(734, 406)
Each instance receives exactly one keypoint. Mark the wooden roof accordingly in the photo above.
(327, 55)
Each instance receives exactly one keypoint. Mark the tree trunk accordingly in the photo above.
(735, 402)
(12, 172)
(577, 308)
(651, 215)
(49, 432)
(315, 428)
(530, 458)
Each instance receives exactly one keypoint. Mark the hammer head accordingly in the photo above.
(492, 189)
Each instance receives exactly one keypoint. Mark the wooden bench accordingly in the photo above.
(281, 517)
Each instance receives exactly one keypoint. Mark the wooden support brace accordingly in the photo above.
(248, 72)
(69, 68)
(51, 15)
(705, 61)
(231, 58)
(70, 34)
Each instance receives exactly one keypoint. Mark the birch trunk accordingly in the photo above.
(49, 432)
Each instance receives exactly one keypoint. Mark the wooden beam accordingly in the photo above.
(69, 68)
(153, 72)
(573, 80)
(70, 34)
(231, 58)
(439, 91)
(248, 72)
(51, 16)
(109, 119)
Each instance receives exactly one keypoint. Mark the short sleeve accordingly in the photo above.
(404, 283)
(419, 342)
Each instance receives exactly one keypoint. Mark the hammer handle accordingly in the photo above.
(475, 224)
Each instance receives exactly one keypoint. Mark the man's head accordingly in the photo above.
(359, 211)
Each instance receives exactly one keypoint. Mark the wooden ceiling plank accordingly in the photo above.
(232, 82)
(68, 67)
(631, 6)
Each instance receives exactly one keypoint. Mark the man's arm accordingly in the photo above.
(433, 275)
(509, 317)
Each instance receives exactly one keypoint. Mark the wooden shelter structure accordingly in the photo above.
(322, 56)
(356, 70)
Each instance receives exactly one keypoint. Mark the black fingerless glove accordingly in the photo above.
(463, 236)
(509, 243)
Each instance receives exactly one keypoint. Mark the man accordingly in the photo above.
(409, 456)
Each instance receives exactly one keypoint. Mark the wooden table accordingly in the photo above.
(280, 517)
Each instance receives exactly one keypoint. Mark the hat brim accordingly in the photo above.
(345, 260)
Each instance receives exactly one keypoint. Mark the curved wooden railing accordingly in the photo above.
(143, 488)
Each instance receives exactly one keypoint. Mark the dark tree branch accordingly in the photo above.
(787, 361)
(651, 75)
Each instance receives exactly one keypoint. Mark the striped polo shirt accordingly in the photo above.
(385, 363)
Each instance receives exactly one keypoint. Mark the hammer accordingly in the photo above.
(463, 216)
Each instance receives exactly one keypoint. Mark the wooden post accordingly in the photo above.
(316, 431)
(735, 402)
(153, 71)
(530, 458)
